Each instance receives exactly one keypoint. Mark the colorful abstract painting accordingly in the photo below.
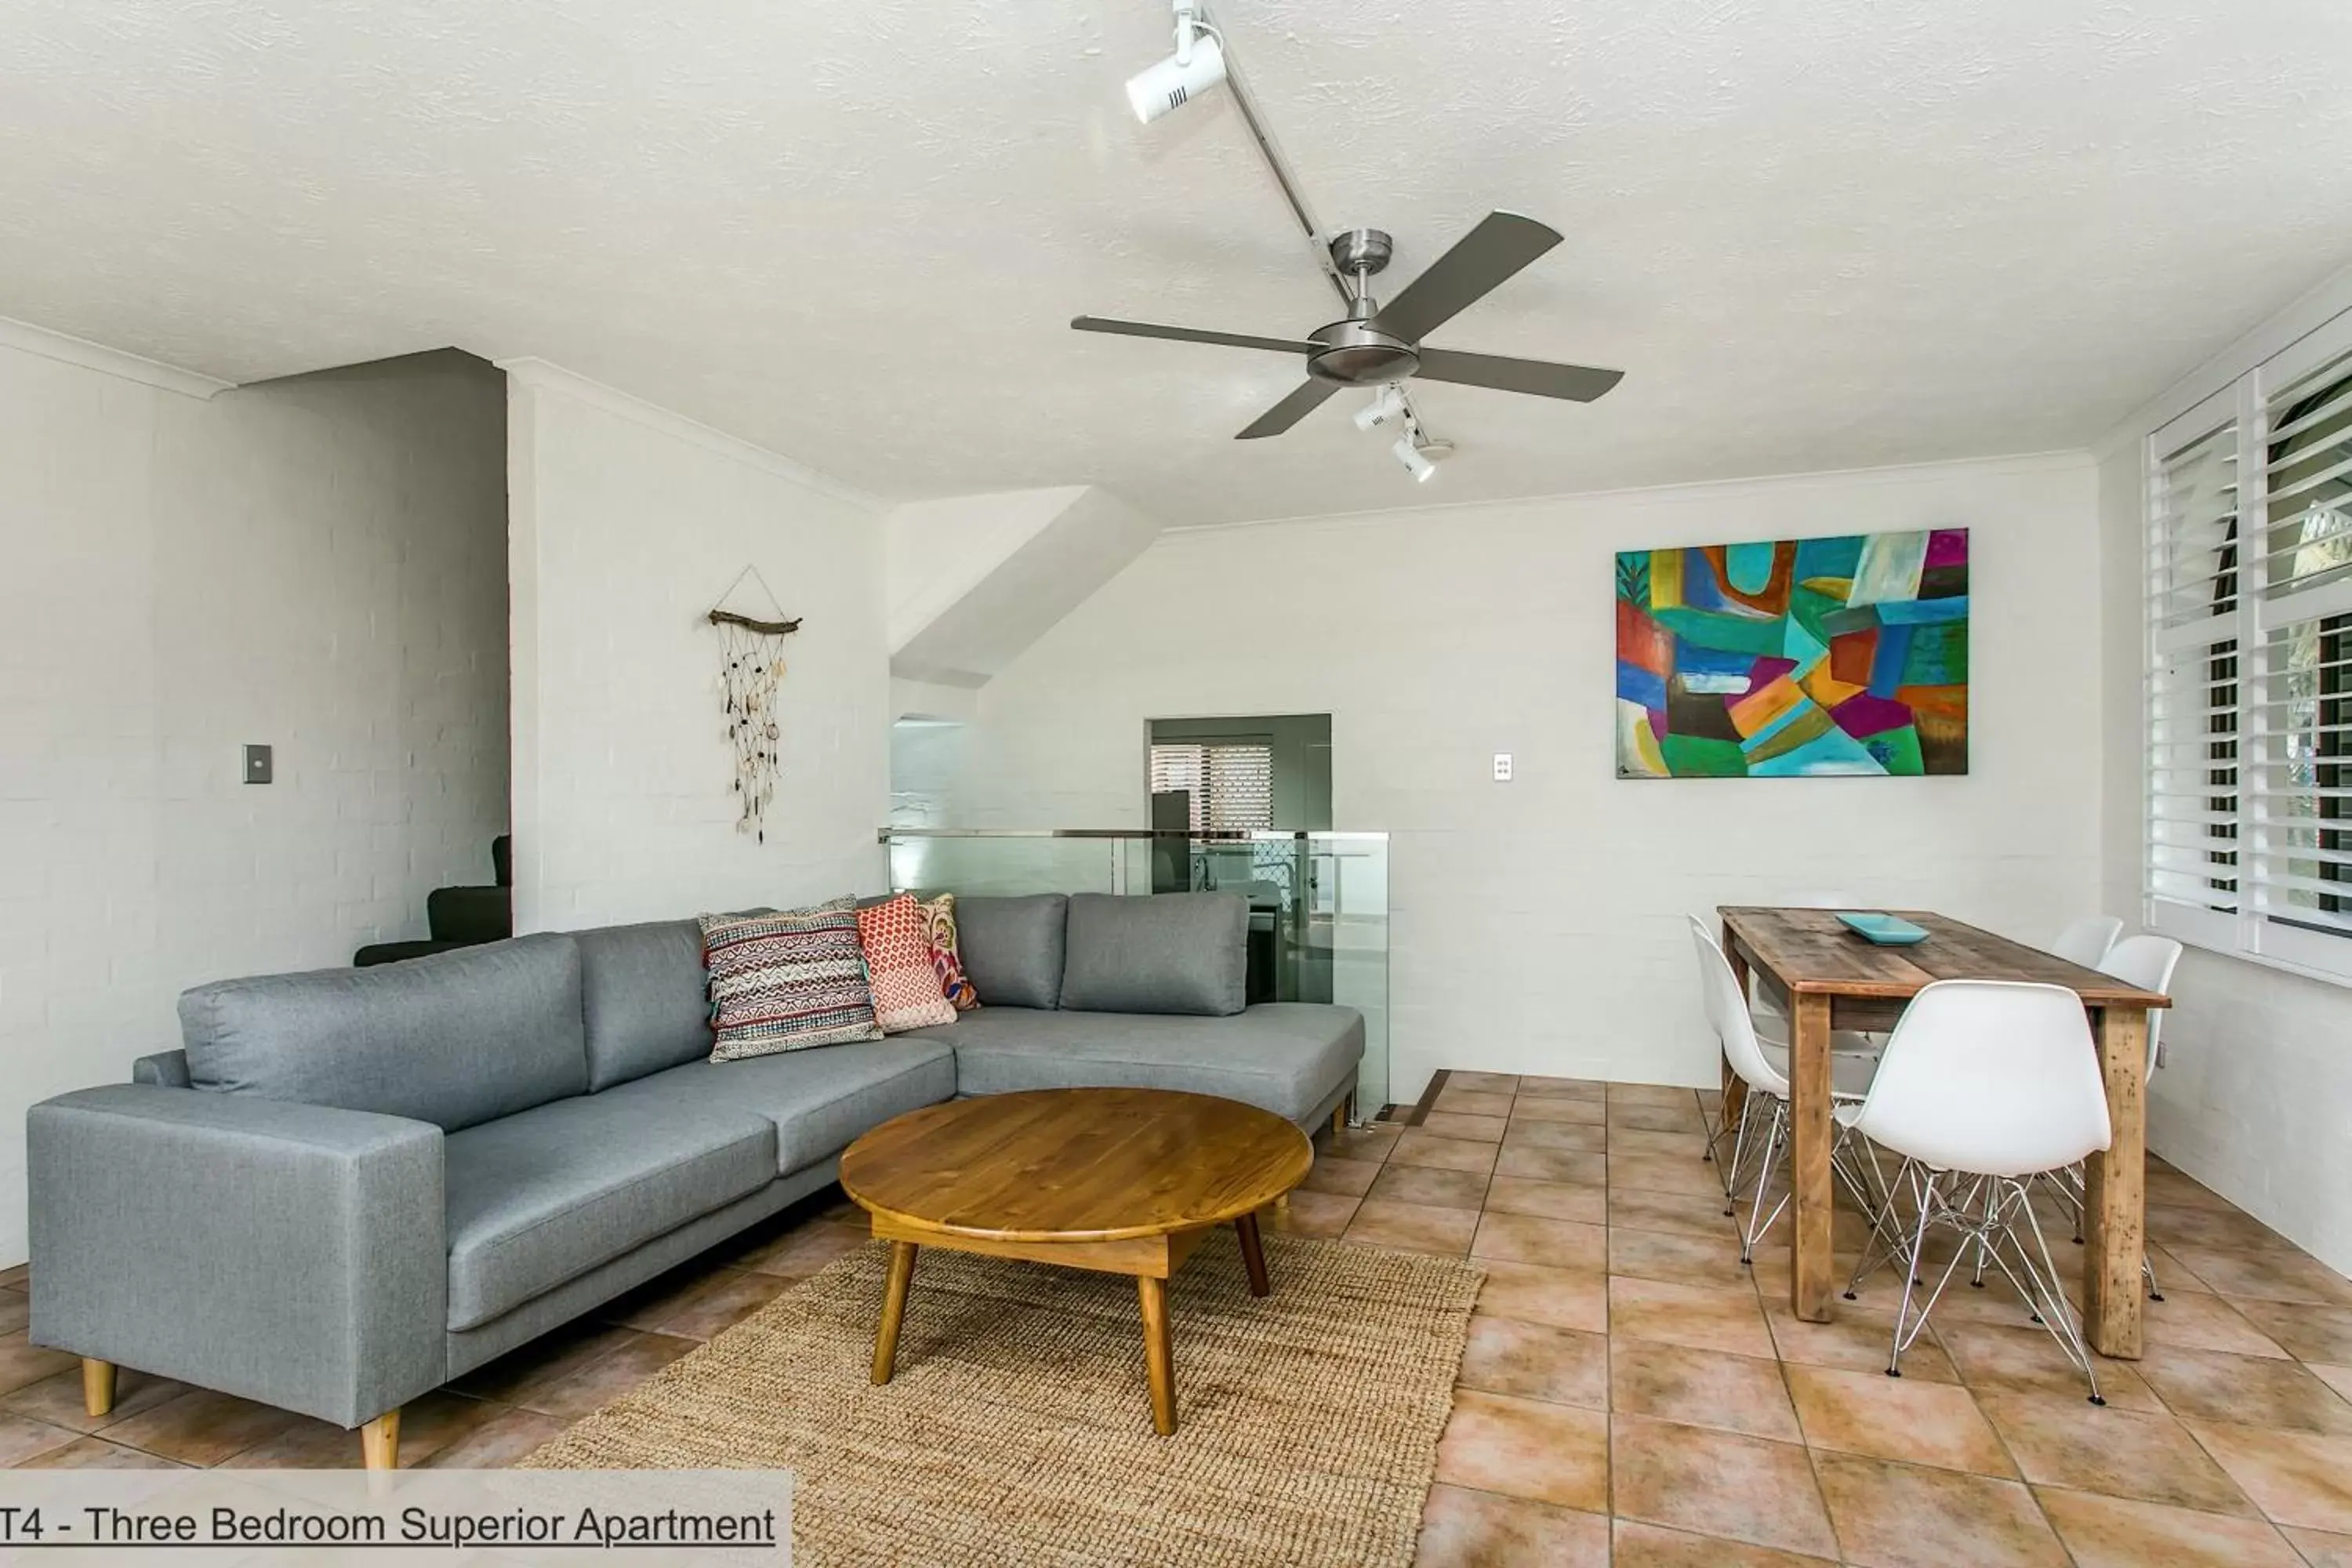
(1794, 659)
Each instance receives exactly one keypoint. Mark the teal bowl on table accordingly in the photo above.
(1884, 930)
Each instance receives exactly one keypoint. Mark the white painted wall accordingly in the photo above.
(317, 564)
(628, 524)
(1538, 925)
(2256, 1089)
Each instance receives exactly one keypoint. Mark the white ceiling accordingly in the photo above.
(1815, 235)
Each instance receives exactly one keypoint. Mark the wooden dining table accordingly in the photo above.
(1828, 977)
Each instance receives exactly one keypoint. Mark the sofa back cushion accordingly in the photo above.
(1164, 952)
(1013, 948)
(453, 1039)
(645, 999)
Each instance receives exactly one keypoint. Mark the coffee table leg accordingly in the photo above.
(1252, 1255)
(894, 1309)
(1158, 1356)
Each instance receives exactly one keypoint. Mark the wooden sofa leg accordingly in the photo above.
(380, 1442)
(96, 1386)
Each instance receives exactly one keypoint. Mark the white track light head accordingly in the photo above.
(1410, 455)
(1386, 406)
(1174, 82)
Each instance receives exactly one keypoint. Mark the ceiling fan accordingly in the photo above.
(1379, 344)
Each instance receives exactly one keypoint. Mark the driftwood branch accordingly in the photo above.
(771, 628)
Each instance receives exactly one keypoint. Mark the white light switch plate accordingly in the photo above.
(1502, 767)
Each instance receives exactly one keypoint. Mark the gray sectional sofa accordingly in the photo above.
(352, 1185)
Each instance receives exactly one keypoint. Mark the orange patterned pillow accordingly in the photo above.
(907, 993)
(947, 954)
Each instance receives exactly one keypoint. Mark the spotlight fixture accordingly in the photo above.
(1386, 405)
(1414, 458)
(1198, 65)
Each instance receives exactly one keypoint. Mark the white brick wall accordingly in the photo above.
(317, 564)
(1538, 925)
(625, 529)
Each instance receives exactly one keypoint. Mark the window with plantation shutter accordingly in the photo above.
(2192, 688)
(1231, 783)
(2249, 809)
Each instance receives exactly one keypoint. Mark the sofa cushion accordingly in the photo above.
(1168, 952)
(453, 1039)
(786, 982)
(547, 1194)
(645, 999)
(819, 1102)
(1284, 1057)
(947, 956)
(1013, 948)
(907, 991)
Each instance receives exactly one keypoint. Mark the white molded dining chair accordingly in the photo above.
(2147, 961)
(1773, 1024)
(2085, 940)
(1984, 1085)
(1767, 1085)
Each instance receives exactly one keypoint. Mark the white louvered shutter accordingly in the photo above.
(2192, 687)
(1231, 781)
(2298, 781)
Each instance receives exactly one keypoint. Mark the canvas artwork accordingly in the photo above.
(1794, 657)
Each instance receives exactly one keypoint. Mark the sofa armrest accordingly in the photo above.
(293, 1254)
(165, 1070)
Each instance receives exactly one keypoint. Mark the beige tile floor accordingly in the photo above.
(1629, 1393)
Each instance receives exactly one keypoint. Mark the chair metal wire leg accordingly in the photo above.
(1985, 1211)
(1887, 1236)
(1758, 1221)
(1926, 1190)
(2070, 1186)
(2057, 1312)
(1730, 1174)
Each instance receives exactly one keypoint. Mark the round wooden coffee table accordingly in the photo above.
(1122, 1181)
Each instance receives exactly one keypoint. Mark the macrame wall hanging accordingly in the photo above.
(751, 669)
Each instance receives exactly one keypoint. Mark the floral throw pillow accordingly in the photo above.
(907, 993)
(947, 959)
(786, 982)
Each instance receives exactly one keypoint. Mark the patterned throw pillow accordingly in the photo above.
(947, 959)
(785, 982)
(907, 993)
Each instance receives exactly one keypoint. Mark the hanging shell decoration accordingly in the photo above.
(751, 671)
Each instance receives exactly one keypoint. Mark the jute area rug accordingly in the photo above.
(1018, 1429)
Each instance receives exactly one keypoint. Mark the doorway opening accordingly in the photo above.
(1233, 801)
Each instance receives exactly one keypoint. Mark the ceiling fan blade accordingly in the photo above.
(1189, 335)
(1480, 260)
(1577, 383)
(1290, 410)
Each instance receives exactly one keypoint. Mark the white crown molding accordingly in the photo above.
(33, 339)
(533, 372)
(2301, 317)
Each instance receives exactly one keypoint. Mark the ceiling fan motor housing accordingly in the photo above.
(1357, 354)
